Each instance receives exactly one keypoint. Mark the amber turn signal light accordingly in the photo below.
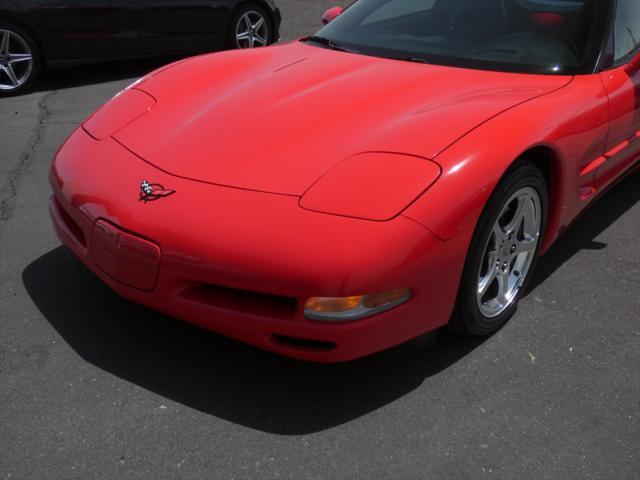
(341, 309)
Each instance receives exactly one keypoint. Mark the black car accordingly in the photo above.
(37, 33)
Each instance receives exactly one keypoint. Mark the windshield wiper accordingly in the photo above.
(328, 43)
(410, 59)
(415, 60)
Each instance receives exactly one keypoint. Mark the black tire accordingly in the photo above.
(232, 42)
(31, 75)
(467, 317)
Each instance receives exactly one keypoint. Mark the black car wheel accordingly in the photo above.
(19, 60)
(503, 252)
(250, 27)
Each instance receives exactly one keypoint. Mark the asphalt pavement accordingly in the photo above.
(92, 386)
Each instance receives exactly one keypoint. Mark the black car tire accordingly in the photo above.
(20, 35)
(468, 318)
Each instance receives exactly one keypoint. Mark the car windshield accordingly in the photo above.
(528, 36)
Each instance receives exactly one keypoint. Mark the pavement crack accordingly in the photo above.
(25, 160)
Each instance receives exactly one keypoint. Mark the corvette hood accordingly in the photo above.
(276, 119)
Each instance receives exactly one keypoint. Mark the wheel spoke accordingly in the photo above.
(503, 288)
(530, 219)
(258, 24)
(243, 36)
(247, 22)
(518, 216)
(489, 278)
(10, 73)
(260, 39)
(4, 43)
(498, 233)
(527, 245)
(19, 57)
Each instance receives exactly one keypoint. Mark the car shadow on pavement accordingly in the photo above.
(582, 233)
(96, 73)
(242, 384)
(216, 375)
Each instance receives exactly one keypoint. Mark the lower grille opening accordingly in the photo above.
(254, 303)
(73, 228)
(304, 343)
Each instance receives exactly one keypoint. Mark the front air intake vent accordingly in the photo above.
(71, 225)
(304, 343)
(244, 301)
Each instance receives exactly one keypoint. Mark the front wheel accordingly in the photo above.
(503, 252)
(250, 27)
(19, 60)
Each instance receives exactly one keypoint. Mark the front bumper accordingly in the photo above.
(241, 263)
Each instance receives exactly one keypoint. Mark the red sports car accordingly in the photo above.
(333, 197)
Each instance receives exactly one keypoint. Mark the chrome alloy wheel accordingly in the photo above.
(509, 252)
(252, 30)
(16, 60)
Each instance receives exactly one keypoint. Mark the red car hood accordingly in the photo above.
(276, 119)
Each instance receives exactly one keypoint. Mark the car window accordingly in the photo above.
(627, 29)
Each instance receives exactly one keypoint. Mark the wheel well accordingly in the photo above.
(548, 161)
(543, 158)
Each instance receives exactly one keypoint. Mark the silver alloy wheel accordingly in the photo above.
(509, 252)
(252, 30)
(16, 60)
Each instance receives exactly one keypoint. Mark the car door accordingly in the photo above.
(623, 87)
(73, 29)
(165, 26)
